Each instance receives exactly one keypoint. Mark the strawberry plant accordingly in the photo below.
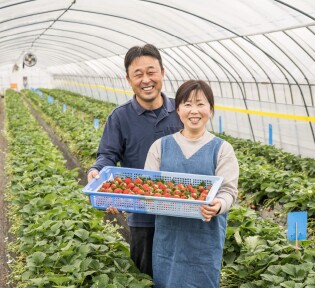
(60, 241)
(277, 157)
(93, 108)
(257, 253)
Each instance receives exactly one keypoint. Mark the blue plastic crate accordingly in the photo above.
(150, 204)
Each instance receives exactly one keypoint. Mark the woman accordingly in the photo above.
(188, 252)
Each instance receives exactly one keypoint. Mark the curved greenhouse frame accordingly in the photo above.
(258, 56)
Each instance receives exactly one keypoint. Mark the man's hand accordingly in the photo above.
(208, 211)
(93, 174)
(112, 210)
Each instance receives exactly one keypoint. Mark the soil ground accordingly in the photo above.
(4, 223)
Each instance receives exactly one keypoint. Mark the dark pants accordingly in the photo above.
(141, 241)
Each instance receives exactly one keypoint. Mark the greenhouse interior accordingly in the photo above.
(63, 77)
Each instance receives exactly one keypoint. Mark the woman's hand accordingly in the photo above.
(208, 211)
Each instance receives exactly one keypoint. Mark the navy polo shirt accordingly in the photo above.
(129, 132)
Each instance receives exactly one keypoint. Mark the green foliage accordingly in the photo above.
(256, 254)
(61, 241)
(95, 108)
(277, 157)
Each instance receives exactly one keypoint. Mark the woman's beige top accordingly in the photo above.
(227, 165)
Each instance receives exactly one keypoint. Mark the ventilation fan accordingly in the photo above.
(29, 60)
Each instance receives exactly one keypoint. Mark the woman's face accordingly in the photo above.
(195, 112)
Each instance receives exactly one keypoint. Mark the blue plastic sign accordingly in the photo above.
(50, 99)
(297, 226)
(96, 123)
(270, 134)
(220, 125)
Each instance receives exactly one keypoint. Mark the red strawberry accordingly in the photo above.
(138, 181)
(128, 180)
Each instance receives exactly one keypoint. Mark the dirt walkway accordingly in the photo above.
(71, 161)
(4, 223)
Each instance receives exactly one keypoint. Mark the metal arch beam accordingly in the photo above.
(79, 62)
(20, 33)
(129, 20)
(14, 4)
(205, 74)
(195, 75)
(239, 60)
(77, 22)
(296, 9)
(299, 87)
(166, 64)
(30, 15)
(15, 45)
(254, 60)
(165, 53)
(64, 30)
(77, 58)
(73, 2)
(55, 41)
(132, 20)
(231, 74)
(234, 33)
(226, 71)
(186, 42)
(297, 43)
(241, 80)
(102, 27)
(244, 100)
(241, 63)
(155, 28)
(311, 31)
(179, 64)
(312, 58)
(215, 75)
(25, 25)
(189, 48)
(81, 23)
(63, 59)
(75, 46)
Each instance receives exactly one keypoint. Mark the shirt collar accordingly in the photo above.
(168, 105)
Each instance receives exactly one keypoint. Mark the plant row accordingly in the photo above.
(80, 135)
(258, 254)
(260, 182)
(95, 108)
(277, 157)
(60, 241)
(283, 160)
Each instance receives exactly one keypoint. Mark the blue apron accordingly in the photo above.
(187, 253)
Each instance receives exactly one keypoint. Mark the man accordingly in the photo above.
(129, 132)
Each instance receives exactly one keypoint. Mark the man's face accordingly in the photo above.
(145, 76)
